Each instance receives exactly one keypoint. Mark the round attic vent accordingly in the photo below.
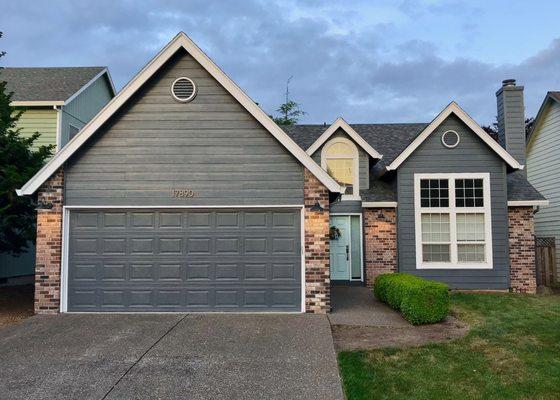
(450, 139)
(183, 89)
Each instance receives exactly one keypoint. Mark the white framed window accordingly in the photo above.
(453, 221)
(339, 157)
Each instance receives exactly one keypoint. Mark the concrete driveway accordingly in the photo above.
(172, 356)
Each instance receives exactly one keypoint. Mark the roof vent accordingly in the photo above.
(183, 89)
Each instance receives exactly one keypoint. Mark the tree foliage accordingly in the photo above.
(289, 113)
(18, 163)
(492, 130)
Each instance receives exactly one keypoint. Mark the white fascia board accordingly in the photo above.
(180, 41)
(340, 123)
(528, 203)
(38, 103)
(463, 116)
(379, 204)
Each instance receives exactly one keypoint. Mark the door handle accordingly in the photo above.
(347, 252)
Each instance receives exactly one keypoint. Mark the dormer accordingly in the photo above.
(345, 155)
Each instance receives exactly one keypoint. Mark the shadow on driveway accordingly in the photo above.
(169, 356)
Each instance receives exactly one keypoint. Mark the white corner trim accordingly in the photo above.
(179, 41)
(463, 116)
(37, 103)
(379, 204)
(452, 210)
(58, 128)
(528, 203)
(302, 247)
(64, 261)
(342, 124)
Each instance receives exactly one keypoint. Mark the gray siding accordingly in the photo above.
(350, 206)
(471, 155)
(363, 159)
(511, 121)
(84, 107)
(543, 161)
(211, 145)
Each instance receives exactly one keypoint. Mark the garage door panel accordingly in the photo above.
(178, 299)
(185, 260)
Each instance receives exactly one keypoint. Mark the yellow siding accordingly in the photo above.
(40, 120)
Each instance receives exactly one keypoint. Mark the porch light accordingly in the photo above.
(44, 206)
(317, 207)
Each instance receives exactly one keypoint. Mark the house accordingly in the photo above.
(543, 159)
(183, 195)
(58, 102)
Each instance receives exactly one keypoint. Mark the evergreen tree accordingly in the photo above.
(18, 163)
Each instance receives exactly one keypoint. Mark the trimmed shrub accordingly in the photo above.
(420, 301)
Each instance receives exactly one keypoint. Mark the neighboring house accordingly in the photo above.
(543, 166)
(57, 103)
(183, 195)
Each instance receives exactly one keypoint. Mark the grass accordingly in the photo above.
(511, 352)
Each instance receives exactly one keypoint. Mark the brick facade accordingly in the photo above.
(522, 250)
(317, 258)
(49, 244)
(380, 240)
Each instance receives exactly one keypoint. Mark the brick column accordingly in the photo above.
(317, 273)
(380, 242)
(522, 273)
(49, 245)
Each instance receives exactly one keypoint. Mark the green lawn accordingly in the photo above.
(511, 352)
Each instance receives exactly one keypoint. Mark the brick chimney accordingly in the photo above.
(511, 119)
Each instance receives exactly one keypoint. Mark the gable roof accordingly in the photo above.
(453, 108)
(340, 123)
(388, 139)
(178, 42)
(550, 97)
(49, 86)
(396, 142)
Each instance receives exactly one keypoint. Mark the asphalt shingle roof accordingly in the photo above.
(519, 188)
(46, 84)
(390, 140)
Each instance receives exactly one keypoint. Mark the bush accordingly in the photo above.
(420, 301)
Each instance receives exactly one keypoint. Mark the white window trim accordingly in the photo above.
(452, 210)
(356, 164)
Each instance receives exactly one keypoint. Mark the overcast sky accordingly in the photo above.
(367, 61)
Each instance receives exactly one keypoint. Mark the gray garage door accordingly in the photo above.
(177, 260)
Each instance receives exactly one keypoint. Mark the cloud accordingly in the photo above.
(347, 59)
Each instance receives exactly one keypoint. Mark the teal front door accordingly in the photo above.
(340, 249)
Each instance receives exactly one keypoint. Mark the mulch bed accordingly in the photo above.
(16, 304)
(352, 337)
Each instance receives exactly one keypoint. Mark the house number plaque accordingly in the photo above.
(182, 193)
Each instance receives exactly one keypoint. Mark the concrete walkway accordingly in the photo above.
(173, 356)
(356, 305)
(360, 322)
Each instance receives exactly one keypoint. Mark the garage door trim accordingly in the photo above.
(66, 240)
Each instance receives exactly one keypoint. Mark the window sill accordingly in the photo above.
(454, 266)
(349, 197)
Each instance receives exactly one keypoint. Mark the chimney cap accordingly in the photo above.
(508, 82)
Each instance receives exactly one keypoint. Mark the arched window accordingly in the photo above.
(339, 158)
